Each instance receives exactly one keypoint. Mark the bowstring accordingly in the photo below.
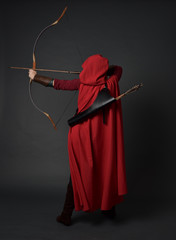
(73, 36)
(81, 58)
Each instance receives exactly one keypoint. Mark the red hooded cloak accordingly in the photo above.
(96, 150)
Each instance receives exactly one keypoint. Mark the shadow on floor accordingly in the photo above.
(125, 212)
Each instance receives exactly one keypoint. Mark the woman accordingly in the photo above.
(96, 145)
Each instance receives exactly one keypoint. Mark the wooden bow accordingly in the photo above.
(34, 66)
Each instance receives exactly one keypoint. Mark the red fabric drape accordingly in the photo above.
(96, 150)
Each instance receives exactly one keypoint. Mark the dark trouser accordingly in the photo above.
(70, 181)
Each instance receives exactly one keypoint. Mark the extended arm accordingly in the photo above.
(66, 84)
(55, 83)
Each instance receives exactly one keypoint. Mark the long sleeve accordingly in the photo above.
(66, 84)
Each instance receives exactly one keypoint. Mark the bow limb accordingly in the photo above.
(34, 65)
(43, 30)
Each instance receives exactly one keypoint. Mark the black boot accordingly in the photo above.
(109, 213)
(66, 214)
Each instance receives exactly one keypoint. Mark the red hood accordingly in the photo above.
(94, 70)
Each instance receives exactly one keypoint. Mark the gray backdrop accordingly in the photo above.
(137, 35)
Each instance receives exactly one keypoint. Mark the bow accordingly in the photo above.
(34, 65)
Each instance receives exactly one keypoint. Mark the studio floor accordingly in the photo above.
(31, 216)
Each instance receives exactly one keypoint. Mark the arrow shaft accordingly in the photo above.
(133, 89)
(47, 70)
